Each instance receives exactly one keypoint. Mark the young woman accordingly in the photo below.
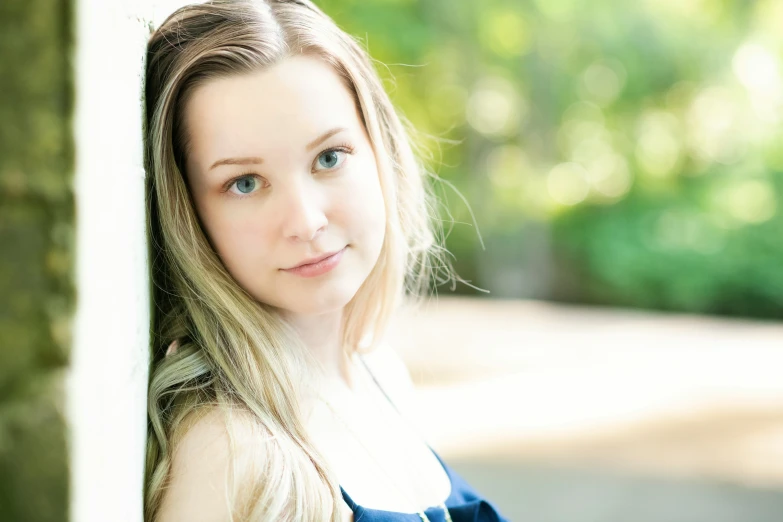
(288, 220)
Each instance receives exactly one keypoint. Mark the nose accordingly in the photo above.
(303, 214)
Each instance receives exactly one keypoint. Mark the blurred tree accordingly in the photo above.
(613, 152)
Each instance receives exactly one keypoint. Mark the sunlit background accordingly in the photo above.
(612, 176)
(618, 153)
(615, 354)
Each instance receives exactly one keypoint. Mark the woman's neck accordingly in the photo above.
(321, 335)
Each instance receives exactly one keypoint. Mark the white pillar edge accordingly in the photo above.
(106, 385)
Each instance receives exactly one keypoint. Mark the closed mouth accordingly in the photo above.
(316, 259)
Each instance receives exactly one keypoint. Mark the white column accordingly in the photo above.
(107, 383)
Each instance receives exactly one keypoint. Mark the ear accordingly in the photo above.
(172, 349)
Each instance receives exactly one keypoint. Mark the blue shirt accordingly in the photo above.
(464, 503)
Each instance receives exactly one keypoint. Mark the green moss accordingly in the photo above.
(35, 79)
(36, 268)
(25, 287)
(33, 462)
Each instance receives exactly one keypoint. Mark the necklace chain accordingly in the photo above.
(405, 493)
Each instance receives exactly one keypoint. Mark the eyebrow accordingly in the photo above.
(254, 160)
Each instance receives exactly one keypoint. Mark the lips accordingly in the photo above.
(315, 260)
(317, 266)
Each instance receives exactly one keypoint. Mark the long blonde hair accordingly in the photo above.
(236, 354)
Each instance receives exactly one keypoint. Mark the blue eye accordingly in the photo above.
(246, 185)
(331, 158)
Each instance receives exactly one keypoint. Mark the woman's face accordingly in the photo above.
(282, 173)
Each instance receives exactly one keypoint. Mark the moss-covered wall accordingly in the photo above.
(36, 255)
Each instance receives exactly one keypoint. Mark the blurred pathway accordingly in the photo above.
(605, 411)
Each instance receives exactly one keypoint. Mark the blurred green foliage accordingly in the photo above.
(36, 263)
(624, 153)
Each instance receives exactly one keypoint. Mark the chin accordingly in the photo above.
(325, 300)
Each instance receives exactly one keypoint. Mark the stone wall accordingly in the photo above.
(36, 255)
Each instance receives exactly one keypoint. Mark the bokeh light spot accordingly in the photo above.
(658, 149)
(603, 81)
(752, 201)
(495, 108)
(758, 71)
(567, 183)
(713, 126)
(505, 32)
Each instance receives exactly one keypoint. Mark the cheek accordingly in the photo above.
(238, 237)
(365, 206)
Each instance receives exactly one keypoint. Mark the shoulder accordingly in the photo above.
(199, 480)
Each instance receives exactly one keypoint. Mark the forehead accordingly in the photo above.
(283, 106)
